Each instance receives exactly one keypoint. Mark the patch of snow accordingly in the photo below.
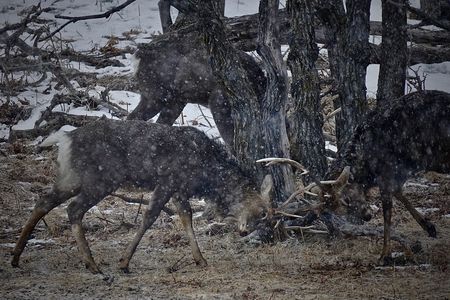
(36, 141)
(143, 18)
(35, 115)
(200, 202)
(82, 111)
(437, 75)
(40, 242)
(197, 215)
(374, 208)
(421, 267)
(375, 10)
(200, 117)
(330, 146)
(125, 99)
(372, 80)
(424, 210)
(94, 209)
(4, 131)
(239, 7)
(40, 158)
(415, 184)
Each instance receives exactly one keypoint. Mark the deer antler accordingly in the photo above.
(277, 160)
(341, 180)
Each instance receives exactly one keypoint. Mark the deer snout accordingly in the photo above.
(243, 233)
(366, 215)
(243, 226)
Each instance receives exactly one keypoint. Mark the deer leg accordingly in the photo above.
(169, 114)
(76, 210)
(43, 206)
(147, 107)
(423, 222)
(185, 213)
(164, 14)
(386, 198)
(159, 198)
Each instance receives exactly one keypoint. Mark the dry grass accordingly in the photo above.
(316, 267)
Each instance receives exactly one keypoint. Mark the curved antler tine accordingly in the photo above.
(344, 177)
(341, 180)
(327, 182)
(277, 160)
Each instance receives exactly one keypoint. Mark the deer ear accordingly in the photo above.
(267, 188)
(342, 180)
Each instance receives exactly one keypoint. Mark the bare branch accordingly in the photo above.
(426, 17)
(71, 19)
(288, 214)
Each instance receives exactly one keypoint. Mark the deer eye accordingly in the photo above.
(346, 201)
(263, 215)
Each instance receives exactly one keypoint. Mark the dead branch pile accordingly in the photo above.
(32, 54)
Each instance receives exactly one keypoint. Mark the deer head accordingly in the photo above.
(343, 193)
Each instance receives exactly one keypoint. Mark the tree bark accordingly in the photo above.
(347, 39)
(392, 76)
(244, 103)
(304, 113)
(273, 106)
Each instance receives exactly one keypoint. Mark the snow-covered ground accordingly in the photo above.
(142, 18)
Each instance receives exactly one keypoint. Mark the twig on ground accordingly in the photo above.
(203, 115)
(143, 201)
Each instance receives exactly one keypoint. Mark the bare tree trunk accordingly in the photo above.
(347, 39)
(221, 7)
(391, 80)
(273, 106)
(304, 115)
(244, 103)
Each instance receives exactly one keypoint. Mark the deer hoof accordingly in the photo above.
(431, 229)
(109, 279)
(386, 260)
(125, 269)
(15, 262)
(93, 268)
(201, 263)
(123, 265)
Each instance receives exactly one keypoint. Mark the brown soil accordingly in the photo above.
(312, 267)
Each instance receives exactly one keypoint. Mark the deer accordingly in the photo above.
(396, 140)
(176, 163)
(174, 70)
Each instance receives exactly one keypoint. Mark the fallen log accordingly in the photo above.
(243, 31)
(57, 120)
